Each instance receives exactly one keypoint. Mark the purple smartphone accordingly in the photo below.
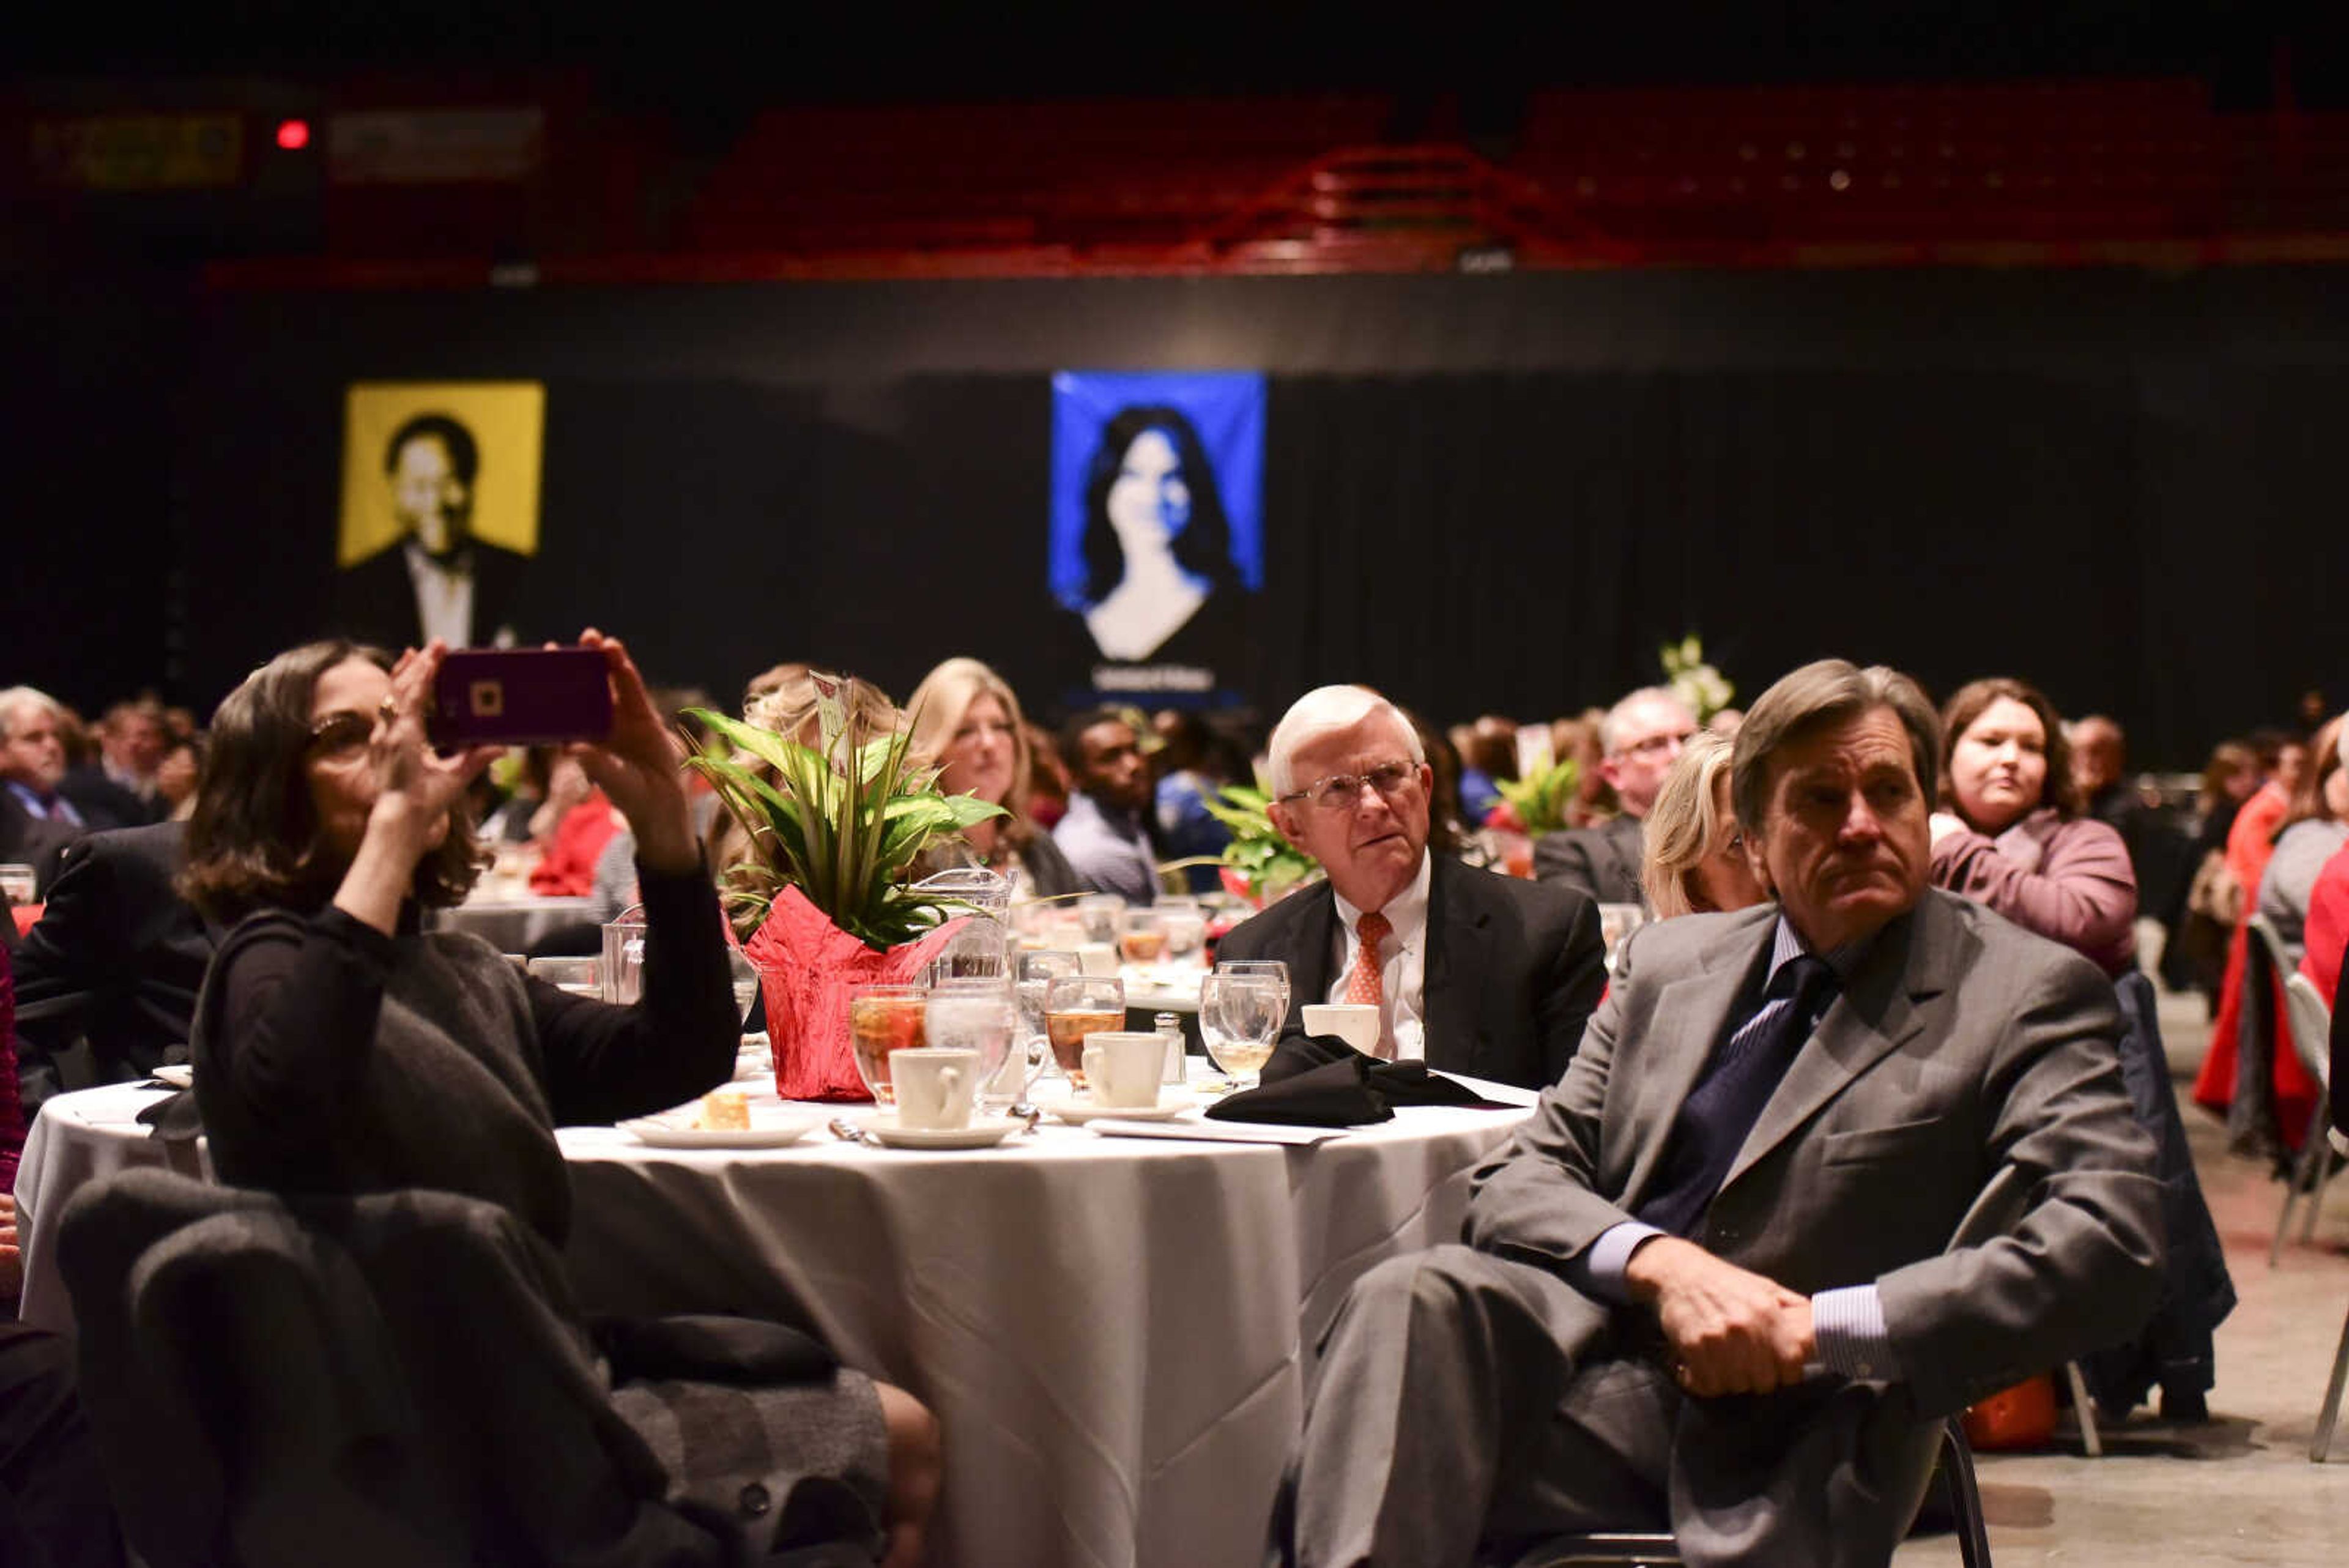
(521, 697)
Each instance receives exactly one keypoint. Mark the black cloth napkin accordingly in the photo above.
(173, 1119)
(1319, 1081)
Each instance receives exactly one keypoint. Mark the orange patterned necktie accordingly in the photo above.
(1365, 986)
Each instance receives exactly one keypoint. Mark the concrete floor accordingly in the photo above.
(2239, 1488)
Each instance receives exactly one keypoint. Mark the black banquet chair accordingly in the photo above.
(382, 1382)
(1957, 1468)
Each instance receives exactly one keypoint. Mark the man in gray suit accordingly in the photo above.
(1641, 737)
(1821, 1173)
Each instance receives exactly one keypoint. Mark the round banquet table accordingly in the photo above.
(1115, 1332)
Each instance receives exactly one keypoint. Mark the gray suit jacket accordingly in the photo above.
(1601, 863)
(1511, 973)
(1957, 1131)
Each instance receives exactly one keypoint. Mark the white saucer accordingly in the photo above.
(769, 1128)
(982, 1131)
(1168, 1108)
(178, 1074)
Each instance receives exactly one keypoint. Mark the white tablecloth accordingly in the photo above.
(512, 925)
(1113, 1331)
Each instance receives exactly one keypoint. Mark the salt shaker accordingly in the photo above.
(1171, 1027)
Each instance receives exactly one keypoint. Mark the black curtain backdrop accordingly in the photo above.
(1481, 494)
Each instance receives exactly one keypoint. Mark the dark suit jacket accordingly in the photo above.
(118, 957)
(103, 802)
(29, 840)
(1511, 972)
(1956, 1132)
(375, 601)
(1600, 863)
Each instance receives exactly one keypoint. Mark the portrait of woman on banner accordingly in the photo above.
(1157, 543)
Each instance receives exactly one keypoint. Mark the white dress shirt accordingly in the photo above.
(1402, 966)
(444, 597)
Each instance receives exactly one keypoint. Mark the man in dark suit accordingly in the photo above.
(438, 580)
(1476, 973)
(36, 822)
(117, 788)
(1641, 737)
(117, 959)
(1821, 1173)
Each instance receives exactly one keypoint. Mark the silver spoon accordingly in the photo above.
(847, 1131)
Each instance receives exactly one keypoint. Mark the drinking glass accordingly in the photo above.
(1275, 967)
(1141, 936)
(1099, 913)
(746, 985)
(1076, 1006)
(1239, 1017)
(976, 1015)
(1186, 927)
(1036, 972)
(624, 956)
(576, 975)
(1617, 921)
(883, 1019)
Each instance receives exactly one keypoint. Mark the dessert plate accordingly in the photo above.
(768, 1129)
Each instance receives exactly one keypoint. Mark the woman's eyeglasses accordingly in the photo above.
(339, 735)
(1339, 791)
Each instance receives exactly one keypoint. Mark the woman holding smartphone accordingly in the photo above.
(342, 1049)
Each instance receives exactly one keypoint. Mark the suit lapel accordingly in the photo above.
(1876, 1016)
(1451, 977)
(1687, 1022)
(1309, 975)
(1624, 837)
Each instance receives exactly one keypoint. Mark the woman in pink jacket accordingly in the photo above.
(2010, 833)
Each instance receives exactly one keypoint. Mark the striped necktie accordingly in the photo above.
(1728, 1098)
(1366, 986)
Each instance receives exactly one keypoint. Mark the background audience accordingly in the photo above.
(967, 722)
(2012, 836)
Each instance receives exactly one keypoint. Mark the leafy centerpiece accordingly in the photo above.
(1539, 800)
(1259, 864)
(1695, 682)
(833, 836)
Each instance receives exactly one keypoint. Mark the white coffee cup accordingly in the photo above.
(1355, 1022)
(936, 1085)
(1098, 959)
(1122, 1068)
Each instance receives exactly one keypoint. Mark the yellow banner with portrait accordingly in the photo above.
(440, 461)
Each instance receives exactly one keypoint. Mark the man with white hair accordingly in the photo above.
(1640, 738)
(1472, 972)
(36, 822)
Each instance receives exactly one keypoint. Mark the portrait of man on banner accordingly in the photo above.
(440, 511)
(1157, 540)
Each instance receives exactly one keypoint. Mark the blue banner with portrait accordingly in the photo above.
(1158, 524)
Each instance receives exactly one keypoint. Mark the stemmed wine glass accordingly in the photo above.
(1275, 967)
(1239, 1017)
(1076, 1006)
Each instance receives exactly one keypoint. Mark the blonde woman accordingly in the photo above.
(967, 723)
(1694, 857)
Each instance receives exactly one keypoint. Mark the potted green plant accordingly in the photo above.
(834, 835)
